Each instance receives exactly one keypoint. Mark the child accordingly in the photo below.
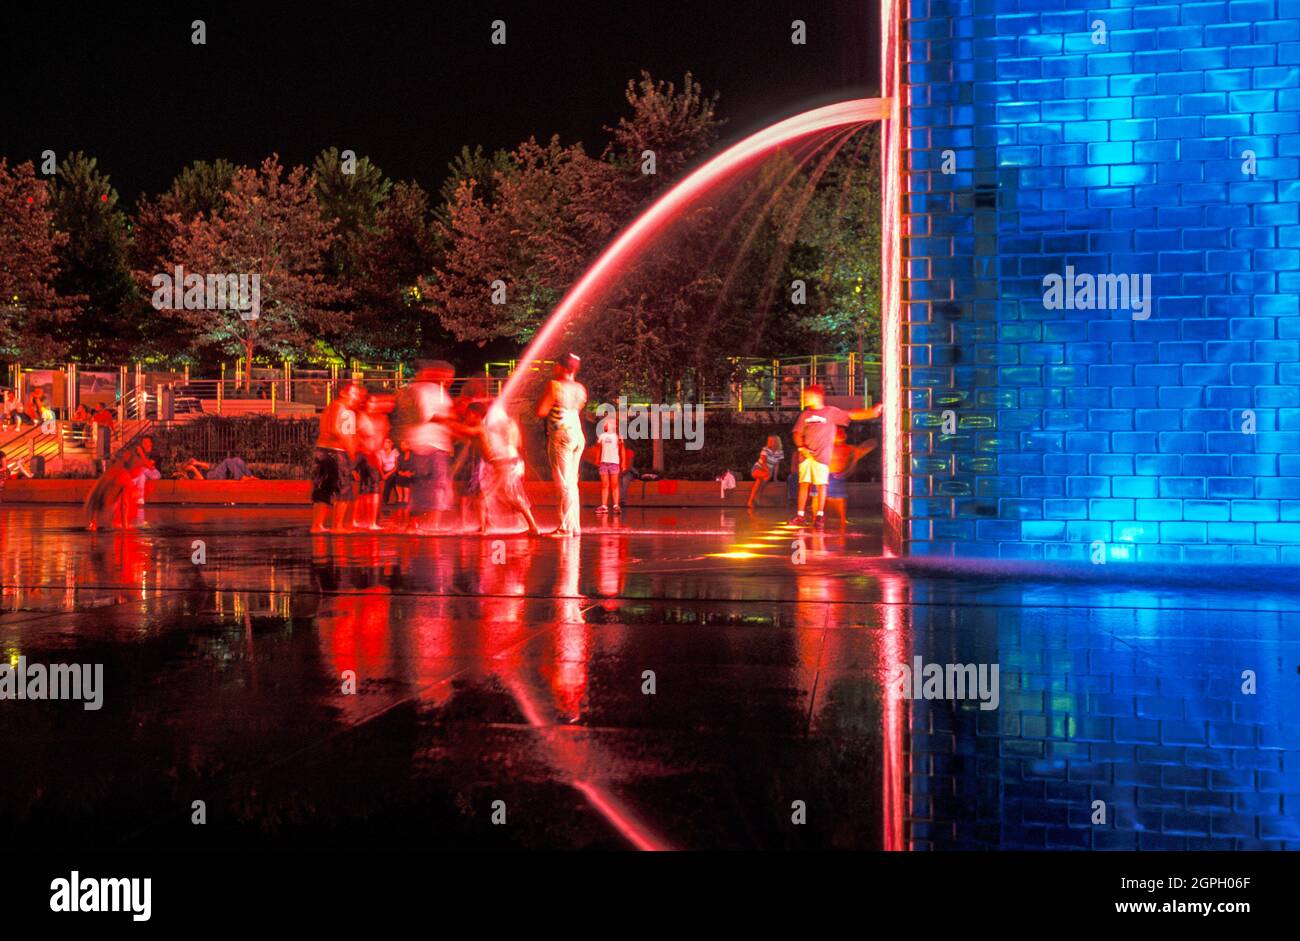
(765, 468)
(468, 469)
(611, 466)
(403, 478)
(843, 459)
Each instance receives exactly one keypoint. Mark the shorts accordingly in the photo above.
(607, 467)
(760, 472)
(837, 488)
(430, 482)
(331, 476)
(367, 475)
(813, 472)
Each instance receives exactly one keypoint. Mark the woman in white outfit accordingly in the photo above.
(561, 405)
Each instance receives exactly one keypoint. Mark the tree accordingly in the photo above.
(838, 253)
(198, 190)
(350, 193)
(271, 227)
(544, 216)
(391, 316)
(473, 167)
(525, 238)
(93, 261)
(32, 310)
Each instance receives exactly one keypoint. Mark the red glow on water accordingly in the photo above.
(624, 250)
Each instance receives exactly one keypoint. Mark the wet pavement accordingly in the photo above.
(501, 693)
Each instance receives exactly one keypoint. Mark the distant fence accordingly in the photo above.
(761, 385)
(258, 439)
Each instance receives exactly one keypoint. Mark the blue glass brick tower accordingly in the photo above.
(1118, 145)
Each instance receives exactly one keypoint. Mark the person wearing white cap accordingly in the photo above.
(561, 405)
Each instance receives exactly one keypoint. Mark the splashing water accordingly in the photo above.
(625, 250)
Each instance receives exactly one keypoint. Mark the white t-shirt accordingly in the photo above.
(608, 442)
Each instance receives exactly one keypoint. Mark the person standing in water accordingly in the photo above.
(814, 439)
(372, 431)
(336, 447)
(560, 406)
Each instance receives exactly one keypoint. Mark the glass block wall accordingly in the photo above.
(1101, 337)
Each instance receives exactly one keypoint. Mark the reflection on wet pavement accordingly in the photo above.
(493, 670)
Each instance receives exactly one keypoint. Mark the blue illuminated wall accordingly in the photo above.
(1078, 431)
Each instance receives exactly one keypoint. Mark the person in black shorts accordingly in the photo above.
(331, 479)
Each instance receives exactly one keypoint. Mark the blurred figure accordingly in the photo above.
(372, 432)
(421, 414)
(331, 483)
(499, 441)
(116, 490)
(469, 465)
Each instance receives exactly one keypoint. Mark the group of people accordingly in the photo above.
(823, 459)
(420, 445)
(14, 412)
(357, 465)
(444, 445)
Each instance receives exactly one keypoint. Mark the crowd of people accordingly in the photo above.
(455, 463)
(434, 454)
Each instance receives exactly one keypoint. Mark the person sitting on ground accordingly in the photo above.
(81, 422)
(8, 410)
(19, 467)
(36, 407)
(191, 469)
(232, 467)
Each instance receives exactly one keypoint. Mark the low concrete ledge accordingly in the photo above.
(680, 493)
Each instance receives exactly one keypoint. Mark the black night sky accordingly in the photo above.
(406, 85)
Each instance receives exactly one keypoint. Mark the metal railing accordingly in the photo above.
(766, 384)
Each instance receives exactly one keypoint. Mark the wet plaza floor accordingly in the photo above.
(675, 679)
